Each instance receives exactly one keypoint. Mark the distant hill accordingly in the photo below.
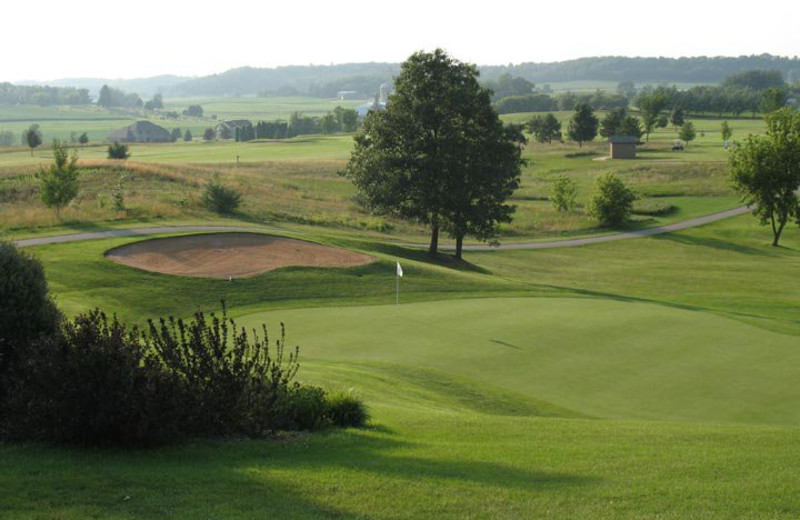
(365, 78)
(326, 80)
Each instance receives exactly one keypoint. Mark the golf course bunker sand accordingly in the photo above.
(223, 255)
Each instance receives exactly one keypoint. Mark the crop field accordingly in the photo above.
(638, 379)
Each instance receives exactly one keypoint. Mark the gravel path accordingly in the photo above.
(574, 242)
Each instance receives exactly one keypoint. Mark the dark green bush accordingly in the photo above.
(95, 384)
(303, 409)
(26, 310)
(345, 409)
(118, 150)
(233, 382)
(220, 199)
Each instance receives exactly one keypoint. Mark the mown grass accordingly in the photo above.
(483, 406)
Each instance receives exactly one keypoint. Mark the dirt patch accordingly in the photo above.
(223, 255)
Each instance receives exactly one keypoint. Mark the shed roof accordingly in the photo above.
(623, 139)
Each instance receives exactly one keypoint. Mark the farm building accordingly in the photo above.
(623, 146)
(227, 129)
(384, 92)
(141, 132)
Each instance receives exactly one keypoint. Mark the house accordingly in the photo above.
(141, 132)
(623, 146)
(227, 129)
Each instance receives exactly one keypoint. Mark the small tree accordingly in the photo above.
(726, 131)
(33, 137)
(208, 134)
(631, 126)
(677, 117)
(187, 136)
(83, 139)
(612, 122)
(612, 201)
(193, 111)
(59, 183)
(545, 128)
(766, 171)
(564, 194)
(687, 132)
(175, 134)
(118, 150)
(583, 125)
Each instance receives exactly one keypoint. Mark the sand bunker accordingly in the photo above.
(223, 255)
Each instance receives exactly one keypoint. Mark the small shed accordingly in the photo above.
(623, 146)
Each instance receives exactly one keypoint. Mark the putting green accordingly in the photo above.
(603, 358)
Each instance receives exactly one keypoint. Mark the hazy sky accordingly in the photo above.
(91, 38)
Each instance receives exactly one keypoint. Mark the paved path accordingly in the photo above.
(574, 242)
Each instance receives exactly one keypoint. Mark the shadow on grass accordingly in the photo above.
(328, 475)
(422, 256)
(713, 243)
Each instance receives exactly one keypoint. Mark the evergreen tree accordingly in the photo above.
(583, 125)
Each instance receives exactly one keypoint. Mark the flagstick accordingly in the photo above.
(397, 291)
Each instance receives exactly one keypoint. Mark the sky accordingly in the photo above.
(50, 40)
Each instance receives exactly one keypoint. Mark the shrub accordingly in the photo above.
(345, 409)
(220, 199)
(118, 150)
(232, 381)
(99, 382)
(26, 309)
(303, 409)
(612, 201)
(95, 384)
(565, 192)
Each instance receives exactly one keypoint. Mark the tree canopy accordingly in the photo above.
(439, 153)
(766, 171)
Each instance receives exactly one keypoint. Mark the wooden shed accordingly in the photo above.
(623, 146)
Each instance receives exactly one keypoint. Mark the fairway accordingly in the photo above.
(600, 358)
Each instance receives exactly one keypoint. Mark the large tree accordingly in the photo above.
(583, 125)
(766, 171)
(439, 153)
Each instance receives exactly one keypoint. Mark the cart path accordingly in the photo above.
(573, 242)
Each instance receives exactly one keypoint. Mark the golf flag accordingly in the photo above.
(399, 270)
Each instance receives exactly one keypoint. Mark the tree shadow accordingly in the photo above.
(278, 478)
(422, 256)
(714, 243)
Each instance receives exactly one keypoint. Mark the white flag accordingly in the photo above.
(399, 270)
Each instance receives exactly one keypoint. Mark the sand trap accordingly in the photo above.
(221, 255)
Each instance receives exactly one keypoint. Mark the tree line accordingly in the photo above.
(338, 120)
(42, 95)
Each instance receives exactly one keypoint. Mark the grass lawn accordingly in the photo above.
(639, 379)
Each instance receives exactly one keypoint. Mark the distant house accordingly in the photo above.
(623, 146)
(347, 94)
(141, 132)
(227, 129)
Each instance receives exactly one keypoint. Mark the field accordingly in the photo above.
(639, 379)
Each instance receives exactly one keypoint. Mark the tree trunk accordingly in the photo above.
(776, 233)
(459, 246)
(434, 247)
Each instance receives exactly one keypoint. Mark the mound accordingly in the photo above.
(223, 255)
